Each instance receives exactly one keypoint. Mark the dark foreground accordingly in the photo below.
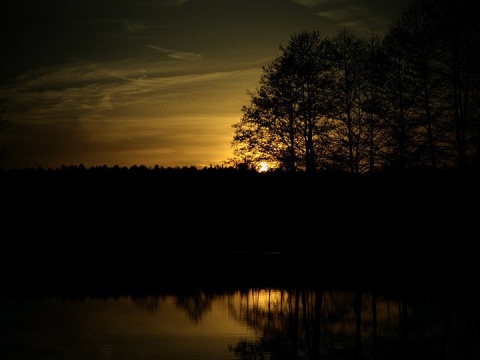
(116, 232)
(78, 274)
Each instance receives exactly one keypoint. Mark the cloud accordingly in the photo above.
(360, 16)
(174, 2)
(336, 10)
(162, 112)
(174, 54)
(310, 3)
(341, 14)
(135, 26)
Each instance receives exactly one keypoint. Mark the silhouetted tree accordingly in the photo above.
(413, 43)
(372, 103)
(407, 100)
(459, 32)
(286, 122)
(399, 104)
(433, 84)
(348, 95)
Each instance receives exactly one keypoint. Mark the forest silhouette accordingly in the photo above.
(139, 228)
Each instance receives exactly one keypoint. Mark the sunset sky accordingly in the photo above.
(146, 82)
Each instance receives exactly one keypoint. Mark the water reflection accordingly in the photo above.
(155, 327)
(317, 324)
(243, 324)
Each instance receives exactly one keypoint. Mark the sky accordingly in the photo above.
(146, 82)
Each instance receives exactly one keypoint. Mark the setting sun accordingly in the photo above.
(263, 166)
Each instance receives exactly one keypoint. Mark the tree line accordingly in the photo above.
(408, 99)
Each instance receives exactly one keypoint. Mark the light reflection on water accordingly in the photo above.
(120, 328)
(251, 324)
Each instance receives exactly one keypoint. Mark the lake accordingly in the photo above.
(253, 323)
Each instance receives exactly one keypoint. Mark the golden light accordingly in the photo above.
(262, 167)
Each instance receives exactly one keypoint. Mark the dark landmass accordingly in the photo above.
(118, 230)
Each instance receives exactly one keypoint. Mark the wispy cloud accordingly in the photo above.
(174, 54)
(360, 16)
(107, 93)
(342, 13)
(134, 27)
(335, 10)
(122, 111)
(310, 3)
(175, 2)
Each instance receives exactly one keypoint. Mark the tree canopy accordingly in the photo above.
(406, 100)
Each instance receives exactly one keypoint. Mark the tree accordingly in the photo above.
(399, 104)
(372, 104)
(348, 96)
(408, 100)
(413, 41)
(286, 122)
(432, 88)
(459, 51)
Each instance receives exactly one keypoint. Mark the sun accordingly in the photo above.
(262, 167)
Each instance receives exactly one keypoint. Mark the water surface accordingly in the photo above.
(257, 323)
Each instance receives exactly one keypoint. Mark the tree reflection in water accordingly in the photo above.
(321, 324)
(257, 323)
(328, 324)
(194, 305)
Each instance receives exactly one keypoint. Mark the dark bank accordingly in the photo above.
(109, 229)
